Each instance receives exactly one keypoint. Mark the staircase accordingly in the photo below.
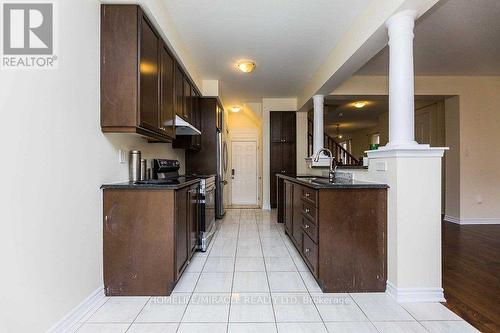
(342, 155)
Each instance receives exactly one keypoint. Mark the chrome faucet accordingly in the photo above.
(333, 163)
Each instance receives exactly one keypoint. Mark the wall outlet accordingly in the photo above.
(121, 156)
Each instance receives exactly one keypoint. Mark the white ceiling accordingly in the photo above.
(458, 37)
(288, 40)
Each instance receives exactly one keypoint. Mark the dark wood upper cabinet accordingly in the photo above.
(167, 108)
(275, 118)
(142, 85)
(193, 116)
(288, 126)
(204, 161)
(149, 73)
(188, 108)
(283, 148)
(285, 125)
(179, 91)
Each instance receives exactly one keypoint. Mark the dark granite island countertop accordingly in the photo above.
(318, 182)
(154, 184)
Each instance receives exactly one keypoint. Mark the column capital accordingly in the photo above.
(402, 18)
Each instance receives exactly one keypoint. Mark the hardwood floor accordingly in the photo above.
(471, 273)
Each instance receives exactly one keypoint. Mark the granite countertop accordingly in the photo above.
(317, 182)
(154, 185)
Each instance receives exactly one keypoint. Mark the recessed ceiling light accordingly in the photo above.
(235, 109)
(246, 66)
(360, 104)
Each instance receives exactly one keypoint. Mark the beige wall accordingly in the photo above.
(361, 140)
(479, 116)
(452, 161)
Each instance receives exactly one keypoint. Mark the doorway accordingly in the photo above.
(244, 175)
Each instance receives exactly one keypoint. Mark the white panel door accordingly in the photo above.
(244, 174)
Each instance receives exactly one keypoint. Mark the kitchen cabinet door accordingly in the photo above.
(167, 107)
(149, 76)
(181, 229)
(288, 207)
(297, 215)
(288, 158)
(188, 108)
(275, 168)
(179, 91)
(288, 123)
(275, 118)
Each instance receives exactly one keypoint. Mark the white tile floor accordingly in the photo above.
(253, 280)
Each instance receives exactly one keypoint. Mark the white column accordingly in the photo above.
(318, 141)
(401, 80)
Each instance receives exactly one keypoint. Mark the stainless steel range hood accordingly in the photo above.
(182, 127)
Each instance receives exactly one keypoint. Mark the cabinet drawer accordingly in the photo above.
(310, 195)
(310, 212)
(310, 252)
(310, 228)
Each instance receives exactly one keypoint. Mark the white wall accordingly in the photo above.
(268, 105)
(54, 160)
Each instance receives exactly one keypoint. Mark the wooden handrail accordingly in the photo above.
(341, 154)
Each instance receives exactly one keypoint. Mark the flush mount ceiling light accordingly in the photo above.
(246, 66)
(235, 109)
(360, 104)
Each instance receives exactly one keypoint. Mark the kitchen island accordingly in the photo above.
(339, 228)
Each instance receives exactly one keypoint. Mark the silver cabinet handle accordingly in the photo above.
(307, 210)
(307, 195)
(306, 226)
(307, 250)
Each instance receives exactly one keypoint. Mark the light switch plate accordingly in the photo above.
(381, 166)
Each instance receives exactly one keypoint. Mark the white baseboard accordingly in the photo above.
(68, 322)
(415, 295)
(471, 221)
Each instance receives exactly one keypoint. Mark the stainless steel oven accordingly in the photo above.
(207, 226)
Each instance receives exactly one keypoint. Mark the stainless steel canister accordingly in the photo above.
(144, 167)
(134, 165)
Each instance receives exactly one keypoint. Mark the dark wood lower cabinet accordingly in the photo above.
(148, 239)
(340, 233)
